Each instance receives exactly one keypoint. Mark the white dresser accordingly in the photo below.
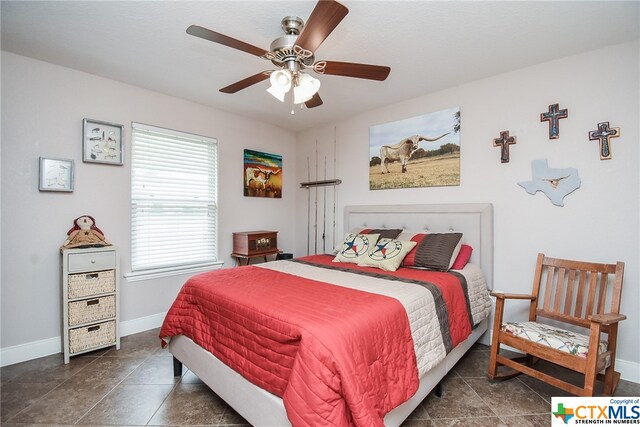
(90, 299)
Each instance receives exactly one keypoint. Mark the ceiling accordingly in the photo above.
(429, 45)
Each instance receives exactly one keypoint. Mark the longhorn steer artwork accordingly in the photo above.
(427, 148)
(262, 174)
(403, 150)
(259, 177)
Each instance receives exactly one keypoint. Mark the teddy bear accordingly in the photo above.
(84, 234)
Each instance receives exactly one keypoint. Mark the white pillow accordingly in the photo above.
(388, 254)
(339, 244)
(355, 247)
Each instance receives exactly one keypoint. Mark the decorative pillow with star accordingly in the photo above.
(355, 247)
(387, 254)
(383, 233)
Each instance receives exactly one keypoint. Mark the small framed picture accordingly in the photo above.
(102, 142)
(56, 174)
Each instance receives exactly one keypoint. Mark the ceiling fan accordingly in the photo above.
(293, 53)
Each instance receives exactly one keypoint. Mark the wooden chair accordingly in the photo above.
(576, 293)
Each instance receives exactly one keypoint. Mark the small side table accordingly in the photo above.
(90, 280)
(247, 258)
(254, 244)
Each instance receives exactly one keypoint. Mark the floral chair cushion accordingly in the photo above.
(551, 336)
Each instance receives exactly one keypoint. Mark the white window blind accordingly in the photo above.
(173, 199)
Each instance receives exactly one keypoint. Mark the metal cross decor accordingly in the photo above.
(553, 117)
(504, 141)
(604, 133)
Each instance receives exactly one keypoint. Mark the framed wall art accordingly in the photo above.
(56, 174)
(422, 151)
(262, 174)
(102, 142)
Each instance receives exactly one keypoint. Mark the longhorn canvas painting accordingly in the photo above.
(262, 174)
(422, 151)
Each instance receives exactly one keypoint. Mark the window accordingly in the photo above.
(173, 202)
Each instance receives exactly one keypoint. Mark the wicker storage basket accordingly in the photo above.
(84, 284)
(90, 310)
(87, 337)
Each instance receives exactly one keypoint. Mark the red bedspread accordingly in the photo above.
(455, 310)
(337, 356)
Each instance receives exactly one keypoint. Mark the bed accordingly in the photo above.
(398, 359)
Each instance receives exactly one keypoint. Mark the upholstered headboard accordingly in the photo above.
(474, 220)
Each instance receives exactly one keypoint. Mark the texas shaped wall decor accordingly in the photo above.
(555, 183)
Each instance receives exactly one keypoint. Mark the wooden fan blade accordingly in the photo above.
(351, 69)
(323, 20)
(207, 34)
(316, 101)
(245, 83)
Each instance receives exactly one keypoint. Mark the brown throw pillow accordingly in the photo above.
(437, 251)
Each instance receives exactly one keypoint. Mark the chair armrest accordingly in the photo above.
(502, 295)
(607, 319)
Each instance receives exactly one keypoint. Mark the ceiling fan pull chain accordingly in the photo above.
(292, 105)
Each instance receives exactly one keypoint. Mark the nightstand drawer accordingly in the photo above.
(92, 261)
(91, 310)
(88, 337)
(87, 284)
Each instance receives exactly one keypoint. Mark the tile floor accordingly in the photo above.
(135, 386)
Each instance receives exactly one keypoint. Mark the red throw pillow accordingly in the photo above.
(463, 257)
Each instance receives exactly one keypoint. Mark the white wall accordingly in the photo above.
(599, 221)
(43, 106)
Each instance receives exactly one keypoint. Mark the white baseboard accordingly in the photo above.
(629, 371)
(33, 350)
(141, 324)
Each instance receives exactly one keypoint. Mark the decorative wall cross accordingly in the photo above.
(504, 141)
(604, 133)
(553, 117)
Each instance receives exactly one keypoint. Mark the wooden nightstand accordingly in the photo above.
(254, 244)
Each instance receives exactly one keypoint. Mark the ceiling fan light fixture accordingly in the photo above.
(294, 52)
(277, 94)
(305, 89)
(280, 84)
